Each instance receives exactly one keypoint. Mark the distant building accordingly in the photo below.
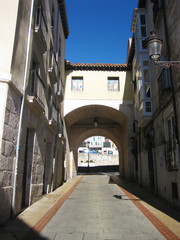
(99, 143)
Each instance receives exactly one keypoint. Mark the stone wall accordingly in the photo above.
(98, 159)
(7, 153)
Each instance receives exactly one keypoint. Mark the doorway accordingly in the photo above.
(47, 168)
(150, 163)
(28, 159)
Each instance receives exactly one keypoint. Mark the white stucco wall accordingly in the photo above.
(8, 16)
(3, 98)
(95, 90)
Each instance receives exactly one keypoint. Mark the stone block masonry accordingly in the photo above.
(8, 151)
(98, 159)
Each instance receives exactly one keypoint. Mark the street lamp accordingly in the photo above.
(154, 44)
(95, 122)
(87, 145)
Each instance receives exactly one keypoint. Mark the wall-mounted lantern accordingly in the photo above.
(154, 44)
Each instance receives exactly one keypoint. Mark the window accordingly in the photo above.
(156, 10)
(77, 84)
(37, 87)
(143, 30)
(139, 85)
(170, 128)
(41, 29)
(106, 144)
(143, 26)
(174, 190)
(59, 48)
(147, 90)
(170, 144)
(53, 18)
(148, 108)
(164, 81)
(113, 84)
(146, 75)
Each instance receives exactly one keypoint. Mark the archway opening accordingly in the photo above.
(98, 154)
(97, 120)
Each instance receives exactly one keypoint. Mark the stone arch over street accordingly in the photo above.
(111, 123)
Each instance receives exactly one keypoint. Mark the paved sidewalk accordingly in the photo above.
(31, 221)
(162, 214)
(100, 212)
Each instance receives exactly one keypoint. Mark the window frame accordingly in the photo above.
(170, 143)
(77, 78)
(113, 79)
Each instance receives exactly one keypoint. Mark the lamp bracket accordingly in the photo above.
(167, 64)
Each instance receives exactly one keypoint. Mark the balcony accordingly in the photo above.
(40, 30)
(144, 113)
(53, 116)
(171, 159)
(53, 68)
(37, 92)
(60, 97)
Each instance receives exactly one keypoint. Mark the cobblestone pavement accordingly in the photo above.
(95, 207)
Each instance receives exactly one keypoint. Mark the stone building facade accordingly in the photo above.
(156, 99)
(32, 80)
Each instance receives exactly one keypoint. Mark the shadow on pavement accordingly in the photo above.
(15, 229)
(149, 197)
(122, 198)
(99, 169)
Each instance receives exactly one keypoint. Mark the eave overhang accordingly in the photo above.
(63, 13)
(96, 66)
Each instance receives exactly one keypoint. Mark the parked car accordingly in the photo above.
(90, 151)
(94, 151)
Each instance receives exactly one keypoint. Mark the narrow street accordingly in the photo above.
(99, 210)
(98, 206)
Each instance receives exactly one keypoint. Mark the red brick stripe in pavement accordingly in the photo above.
(165, 231)
(47, 217)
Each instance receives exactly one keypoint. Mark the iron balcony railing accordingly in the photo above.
(53, 68)
(171, 160)
(54, 113)
(41, 29)
(37, 88)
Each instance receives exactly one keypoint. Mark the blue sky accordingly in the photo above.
(99, 30)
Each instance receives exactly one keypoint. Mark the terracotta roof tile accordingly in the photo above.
(96, 66)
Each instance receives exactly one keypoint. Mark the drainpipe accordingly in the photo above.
(154, 163)
(140, 159)
(22, 108)
(56, 136)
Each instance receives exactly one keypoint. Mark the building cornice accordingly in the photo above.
(63, 13)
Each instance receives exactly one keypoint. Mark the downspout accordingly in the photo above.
(56, 136)
(140, 159)
(154, 163)
(22, 108)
